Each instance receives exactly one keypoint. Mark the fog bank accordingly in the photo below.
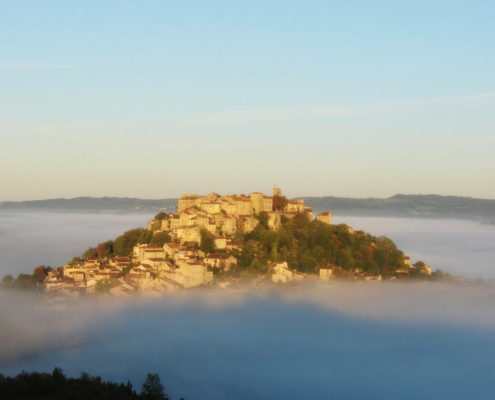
(463, 248)
(29, 239)
(353, 341)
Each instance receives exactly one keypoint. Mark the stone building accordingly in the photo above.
(223, 216)
(325, 217)
(220, 261)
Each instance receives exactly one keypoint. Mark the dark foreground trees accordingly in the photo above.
(56, 386)
(153, 389)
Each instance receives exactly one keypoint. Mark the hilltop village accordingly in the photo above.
(221, 240)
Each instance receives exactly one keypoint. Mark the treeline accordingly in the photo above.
(56, 386)
(307, 244)
(123, 245)
(33, 282)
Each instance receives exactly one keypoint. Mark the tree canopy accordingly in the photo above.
(306, 244)
(152, 388)
(161, 238)
(124, 243)
(207, 241)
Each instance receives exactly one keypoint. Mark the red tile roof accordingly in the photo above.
(218, 256)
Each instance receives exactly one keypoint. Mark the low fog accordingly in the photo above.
(32, 238)
(29, 239)
(318, 341)
(460, 247)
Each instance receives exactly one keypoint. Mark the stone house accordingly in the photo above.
(220, 261)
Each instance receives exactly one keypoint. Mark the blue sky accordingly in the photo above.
(155, 98)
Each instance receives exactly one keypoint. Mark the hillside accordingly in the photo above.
(148, 261)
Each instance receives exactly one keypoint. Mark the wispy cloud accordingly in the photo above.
(34, 65)
(461, 97)
(269, 114)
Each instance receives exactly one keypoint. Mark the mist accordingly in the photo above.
(460, 247)
(32, 238)
(29, 239)
(318, 341)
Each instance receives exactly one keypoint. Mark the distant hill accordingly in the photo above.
(97, 204)
(425, 206)
(400, 205)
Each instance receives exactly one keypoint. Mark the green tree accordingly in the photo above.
(145, 237)
(307, 263)
(124, 243)
(89, 254)
(207, 241)
(126, 269)
(103, 286)
(7, 280)
(161, 238)
(75, 261)
(160, 216)
(152, 388)
(246, 257)
(25, 281)
(263, 219)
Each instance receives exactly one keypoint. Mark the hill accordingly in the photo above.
(98, 204)
(400, 205)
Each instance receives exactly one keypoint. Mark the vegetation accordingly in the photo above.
(89, 254)
(103, 286)
(105, 249)
(160, 238)
(56, 386)
(306, 244)
(32, 281)
(160, 216)
(152, 388)
(279, 202)
(124, 243)
(207, 241)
